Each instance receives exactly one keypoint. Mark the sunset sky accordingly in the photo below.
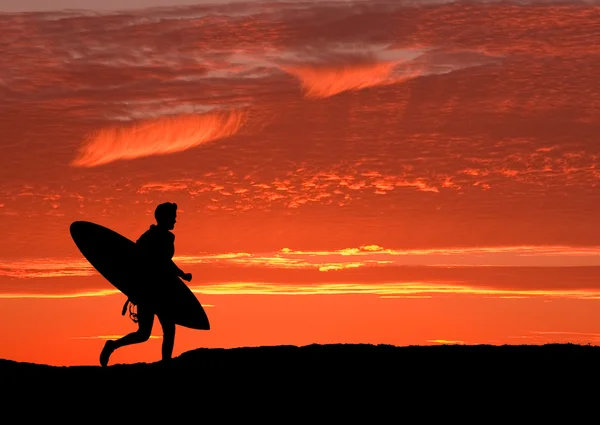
(395, 172)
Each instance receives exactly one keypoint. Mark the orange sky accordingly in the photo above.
(350, 172)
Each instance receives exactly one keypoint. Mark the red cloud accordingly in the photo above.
(157, 137)
(326, 81)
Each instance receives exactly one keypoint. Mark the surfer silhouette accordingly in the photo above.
(158, 243)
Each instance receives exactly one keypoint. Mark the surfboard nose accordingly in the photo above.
(78, 228)
(74, 228)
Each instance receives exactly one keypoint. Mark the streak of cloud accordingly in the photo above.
(327, 81)
(59, 295)
(45, 268)
(366, 256)
(330, 73)
(377, 256)
(396, 289)
(157, 137)
(408, 289)
(446, 342)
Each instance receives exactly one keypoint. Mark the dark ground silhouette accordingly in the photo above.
(340, 378)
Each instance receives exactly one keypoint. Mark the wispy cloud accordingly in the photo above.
(297, 188)
(375, 255)
(58, 295)
(46, 268)
(390, 290)
(158, 137)
(326, 74)
(367, 256)
(386, 290)
(387, 281)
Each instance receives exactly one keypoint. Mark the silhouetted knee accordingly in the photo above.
(141, 335)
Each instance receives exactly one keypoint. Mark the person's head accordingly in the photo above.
(166, 215)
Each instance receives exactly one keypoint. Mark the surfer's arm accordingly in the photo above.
(178, 271)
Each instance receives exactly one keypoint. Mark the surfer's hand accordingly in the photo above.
(187, 276)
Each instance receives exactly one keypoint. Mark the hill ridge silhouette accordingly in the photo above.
(314, 352)
(283, 381)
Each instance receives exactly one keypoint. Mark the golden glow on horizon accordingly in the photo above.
(397, 290)
(553, 250)
(446, 342)
(371, 256)
(383, 290)
(157, 137)
(86, 294)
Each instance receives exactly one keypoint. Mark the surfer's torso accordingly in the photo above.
(157, 243)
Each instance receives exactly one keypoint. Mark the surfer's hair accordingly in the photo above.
(165, 211)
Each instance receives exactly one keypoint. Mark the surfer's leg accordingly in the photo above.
(168, 328)
(145, 322)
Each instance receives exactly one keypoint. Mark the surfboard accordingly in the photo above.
(119, 261)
